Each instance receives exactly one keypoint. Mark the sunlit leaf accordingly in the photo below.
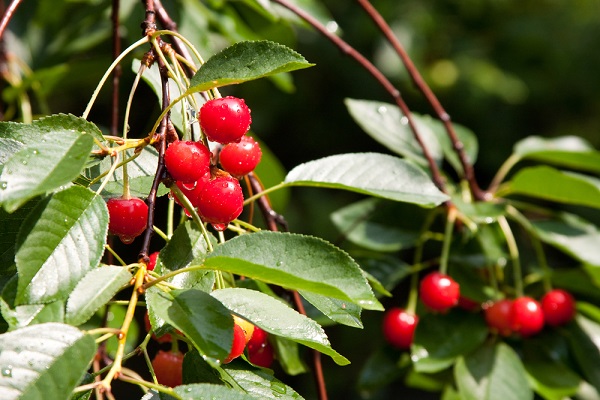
(246, 61)
(53, 161)
(61, 240)
(374, 174)
(296, 262)
(43, 361)
(277, 318)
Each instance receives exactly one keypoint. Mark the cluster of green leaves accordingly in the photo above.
(544, 200)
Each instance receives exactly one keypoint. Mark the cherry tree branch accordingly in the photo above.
(7, 16)
(381, 79)
(429, 95)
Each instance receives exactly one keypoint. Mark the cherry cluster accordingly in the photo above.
(167, 364)
(215, 192)
(523, 316)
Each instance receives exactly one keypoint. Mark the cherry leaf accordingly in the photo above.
(374, 174)
(44, 361)
(246, 61)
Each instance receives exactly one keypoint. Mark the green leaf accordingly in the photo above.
(115, 316)
(207, 391)
(205, 321)
(260, 384)
(551, 184)
(186, 247)
(14, 136)
(374, 174)
(246, 61)
(583, 337)
(462, 333)
(277, 318)
(288, 354)
(60, 241)
(11, 223)
(140, 172)
(567, 151)
(197, 370)
(43, 166)
(29, 314)
(367, 223)
(337, 310)
(493, 372)
(43, 361)
(297, 262)
(96, 288)
(380, 369)
(575, 236)
(386, 123)
(387, 269)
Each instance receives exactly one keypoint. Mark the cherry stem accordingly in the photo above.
(381, 79)
(513, 251)
(420, 83)
(536, 243)
(451, 218)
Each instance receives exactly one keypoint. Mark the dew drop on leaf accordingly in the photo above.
(382, 109)
(3, 185)
(7, 371)
(404, 121)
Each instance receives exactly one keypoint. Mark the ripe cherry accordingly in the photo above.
(498, 316)
(558, 306)
(263, 357)
(240, 158)
(527, 317)
(192, 190)
(128, 217)
(439, 292)
(238, 345)
(167, 366)
(221, 200)
(399, 327)
(187, 161)
(152, 261)
(258, 340)
(246, 326)
(225, 120)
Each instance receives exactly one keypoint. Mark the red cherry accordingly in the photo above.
(221, 200)
(439, 292)
(258, 340)
(263, 357)
(399, 327)
(468, 304)
(187, 161)
(225, 120)
(152, 261)
(128, 217)
(527, 316)
(498, 316)
(192, 190)
(167, 366)
(238, 345)
(558, 306)
(240, 158)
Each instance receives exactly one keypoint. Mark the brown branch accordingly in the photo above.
(166, 22)
(381, 79)
(7, 16)
(272, 218)
(429, 95)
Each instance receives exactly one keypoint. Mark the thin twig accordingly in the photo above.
(8, 14)
(381, 79)
(165, 20)
(420, 83)
(272, 218)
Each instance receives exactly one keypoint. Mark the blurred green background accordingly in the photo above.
(505, 69)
